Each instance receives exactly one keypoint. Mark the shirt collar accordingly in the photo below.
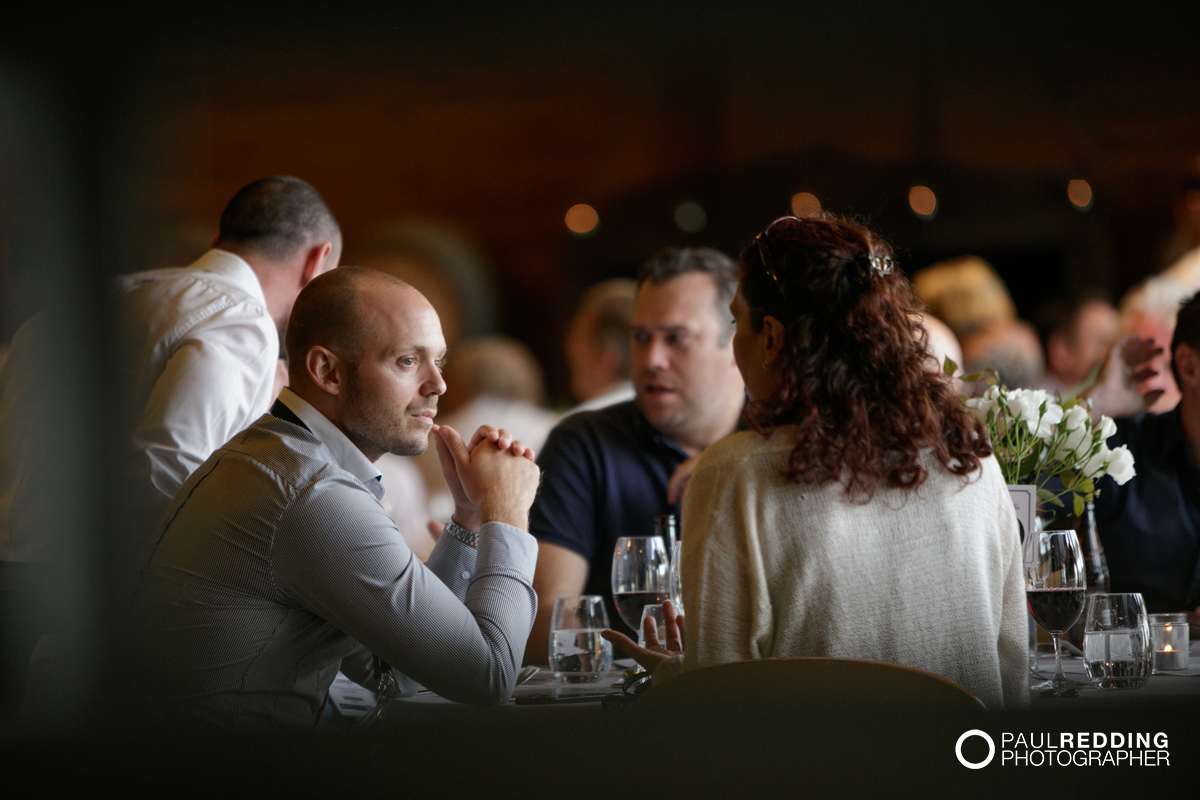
(234, 269)
(345, 452)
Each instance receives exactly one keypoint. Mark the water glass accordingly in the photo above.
(1116, 641)
(1169, 638)
(654, 612)
(578, 653)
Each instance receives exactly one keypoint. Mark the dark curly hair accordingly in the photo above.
(857, 381)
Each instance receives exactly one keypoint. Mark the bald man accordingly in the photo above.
(277, 563)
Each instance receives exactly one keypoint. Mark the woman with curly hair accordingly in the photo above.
(863, 516)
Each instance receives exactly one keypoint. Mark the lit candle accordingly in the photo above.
(1170, 640)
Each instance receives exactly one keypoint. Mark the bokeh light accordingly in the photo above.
(922, 201)
(1080, 194)
(805, 204)
(582, 219)
(690, 216)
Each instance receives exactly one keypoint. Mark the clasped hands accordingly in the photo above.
(492, 478)
(653, 654)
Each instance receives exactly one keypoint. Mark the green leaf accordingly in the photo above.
(949, 367)
(1079, 505)
(1087, 485)
(1045, 495)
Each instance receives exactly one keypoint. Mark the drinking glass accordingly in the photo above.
(1116, 641)
(578, 653)
(654, 612)
(640, 576)
(1055, 590)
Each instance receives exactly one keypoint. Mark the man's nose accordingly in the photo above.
(656, 355)
(435, 384)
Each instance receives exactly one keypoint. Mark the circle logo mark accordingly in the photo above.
(971, 765)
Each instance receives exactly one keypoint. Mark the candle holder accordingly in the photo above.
(1169, 638)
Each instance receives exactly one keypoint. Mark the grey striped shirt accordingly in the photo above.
(276, 565)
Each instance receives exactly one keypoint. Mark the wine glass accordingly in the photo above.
(1055, 589)
(640, 576)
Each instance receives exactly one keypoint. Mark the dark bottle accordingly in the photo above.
(664, 526)
(1095, 565)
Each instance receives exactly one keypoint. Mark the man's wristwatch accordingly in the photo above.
(462, 534)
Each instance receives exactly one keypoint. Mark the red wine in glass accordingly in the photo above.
(1056, 609)
(630, 605)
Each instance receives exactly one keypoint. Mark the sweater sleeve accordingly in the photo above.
(728, 614)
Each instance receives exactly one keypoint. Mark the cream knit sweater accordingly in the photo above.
(930, 579)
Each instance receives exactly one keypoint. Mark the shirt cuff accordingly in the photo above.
(507, 547)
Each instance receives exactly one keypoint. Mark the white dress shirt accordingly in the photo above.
(199, 357)
(277, 564)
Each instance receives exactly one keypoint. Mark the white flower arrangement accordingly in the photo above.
(1037, 437)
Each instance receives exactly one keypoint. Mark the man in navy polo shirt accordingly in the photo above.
(606, 472)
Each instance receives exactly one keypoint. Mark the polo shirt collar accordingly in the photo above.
(345, 452)
(234, 269)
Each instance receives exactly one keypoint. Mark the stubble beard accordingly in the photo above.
(391, 433)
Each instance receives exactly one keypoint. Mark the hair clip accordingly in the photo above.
(881, 266)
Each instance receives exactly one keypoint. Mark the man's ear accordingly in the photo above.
(314, 259)
(325, 369)
(773, 330)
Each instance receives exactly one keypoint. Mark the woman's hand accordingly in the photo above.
(653, 655)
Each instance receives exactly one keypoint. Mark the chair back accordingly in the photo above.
(781, 686)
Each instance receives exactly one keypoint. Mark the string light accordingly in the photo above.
(805, 204)
(923, 202)
(1080, 194)
(582, 219)
(690, 216)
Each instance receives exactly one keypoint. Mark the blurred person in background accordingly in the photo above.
(941, 341)
(1150, 526)
(1149, 310)
(597, 345)
(606, 472)
(1010, 348)
(966, 293)
(864, 503)
(201, 349)
(1076, 331)
(491, 380)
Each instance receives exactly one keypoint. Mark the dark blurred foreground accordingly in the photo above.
(584, 752)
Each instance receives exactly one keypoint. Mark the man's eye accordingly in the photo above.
(641, 338)
(408, 362)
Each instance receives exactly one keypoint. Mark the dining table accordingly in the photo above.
(1162, 687)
